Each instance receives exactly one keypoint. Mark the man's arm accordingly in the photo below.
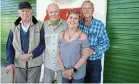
(10, 51)
(103, 42)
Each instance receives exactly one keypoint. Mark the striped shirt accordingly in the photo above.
(97, 37)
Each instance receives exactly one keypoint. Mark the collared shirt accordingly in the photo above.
(97, 37)
(52, 32)
(25, 28)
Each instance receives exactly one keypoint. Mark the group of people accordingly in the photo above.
(71, 50)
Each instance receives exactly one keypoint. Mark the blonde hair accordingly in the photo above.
(73, 11)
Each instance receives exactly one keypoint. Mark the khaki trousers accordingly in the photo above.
(49, 76)
(31, 75)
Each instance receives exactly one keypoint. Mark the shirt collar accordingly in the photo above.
(57, 23)
(30, 23)
(83, 22)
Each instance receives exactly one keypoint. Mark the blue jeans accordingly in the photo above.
(64, 80)
(93, 71)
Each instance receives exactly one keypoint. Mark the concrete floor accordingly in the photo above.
(5, 77)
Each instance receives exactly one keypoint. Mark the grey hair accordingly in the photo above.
(87, 1)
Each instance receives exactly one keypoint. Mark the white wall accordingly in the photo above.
(100, 7)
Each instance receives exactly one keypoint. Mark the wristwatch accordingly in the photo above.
(74, 69)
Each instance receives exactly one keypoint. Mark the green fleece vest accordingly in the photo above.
(34, 39)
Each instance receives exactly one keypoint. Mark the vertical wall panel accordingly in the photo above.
(9, 13)
(122, 59)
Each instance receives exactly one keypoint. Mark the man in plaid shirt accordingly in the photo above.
(98, 39)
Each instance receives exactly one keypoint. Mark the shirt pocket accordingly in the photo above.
(36, 37)
(47, 38)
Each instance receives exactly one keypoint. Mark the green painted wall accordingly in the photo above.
(122, 60)
(9, 13)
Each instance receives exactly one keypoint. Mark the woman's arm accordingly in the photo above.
(61, 65)
(66, 72)
(85, 53)
(83, 59)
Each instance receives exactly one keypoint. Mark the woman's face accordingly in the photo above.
(73, 20)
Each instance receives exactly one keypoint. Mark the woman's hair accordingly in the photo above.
(73, 11)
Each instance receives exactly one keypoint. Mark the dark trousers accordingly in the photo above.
(93, 71)
(65, 80)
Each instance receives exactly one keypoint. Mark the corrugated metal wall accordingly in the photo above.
(9, 13)
(122, 60)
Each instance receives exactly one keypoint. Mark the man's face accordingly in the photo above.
(87, 10)
(53, 13)
(26, 14)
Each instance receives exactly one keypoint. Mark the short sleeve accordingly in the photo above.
(85, 44)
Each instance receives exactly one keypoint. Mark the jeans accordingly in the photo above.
(93, 71)
(65, 80)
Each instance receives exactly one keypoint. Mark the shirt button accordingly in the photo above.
(53, 50)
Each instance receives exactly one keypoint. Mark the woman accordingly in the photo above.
(73, 51)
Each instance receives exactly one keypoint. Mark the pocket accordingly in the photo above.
(36, 39)
(47, 38)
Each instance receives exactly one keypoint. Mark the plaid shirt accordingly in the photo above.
(97, 37)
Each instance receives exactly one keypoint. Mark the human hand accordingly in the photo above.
(67, 74)
(25, 57)
(10, 68)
